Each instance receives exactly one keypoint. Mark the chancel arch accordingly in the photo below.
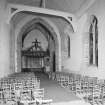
(49, 33)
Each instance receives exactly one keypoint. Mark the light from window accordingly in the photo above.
(93, 41)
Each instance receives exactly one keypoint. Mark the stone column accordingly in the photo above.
(4, 41)
(12, 47)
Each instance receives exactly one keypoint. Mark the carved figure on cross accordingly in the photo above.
(36, 44)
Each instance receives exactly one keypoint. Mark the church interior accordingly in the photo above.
(52, 52)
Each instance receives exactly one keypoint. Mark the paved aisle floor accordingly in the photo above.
(54, 91)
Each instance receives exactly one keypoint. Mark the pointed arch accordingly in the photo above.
(52, 29)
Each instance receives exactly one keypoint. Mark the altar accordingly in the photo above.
(33, 57)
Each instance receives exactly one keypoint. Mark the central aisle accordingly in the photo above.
(54, 91)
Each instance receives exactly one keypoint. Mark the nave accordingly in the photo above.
(28, 88)
(51, 88)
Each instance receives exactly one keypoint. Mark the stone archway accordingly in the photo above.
(53, 32)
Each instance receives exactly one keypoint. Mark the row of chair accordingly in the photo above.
(91, 89)
(22, 88)
(12, 86)
(24, 82)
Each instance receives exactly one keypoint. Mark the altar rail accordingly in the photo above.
(91, 89)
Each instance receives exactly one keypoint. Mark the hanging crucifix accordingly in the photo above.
(36, 44)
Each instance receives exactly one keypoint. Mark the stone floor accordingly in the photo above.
(58, 94)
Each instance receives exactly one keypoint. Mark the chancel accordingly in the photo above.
(33, 57)
(52, 52)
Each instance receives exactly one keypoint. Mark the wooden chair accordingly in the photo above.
(71, 84)
(103, 94)
(38, 96)
(38, 93)
(96, 93)
(43, 101)
(9, 98)
(78, 86)
(1, 97)
(18, 86)
(25, 95)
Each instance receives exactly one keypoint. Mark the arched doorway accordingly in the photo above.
(51, 37)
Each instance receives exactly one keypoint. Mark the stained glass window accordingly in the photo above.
(68, 46)
(93, 41)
